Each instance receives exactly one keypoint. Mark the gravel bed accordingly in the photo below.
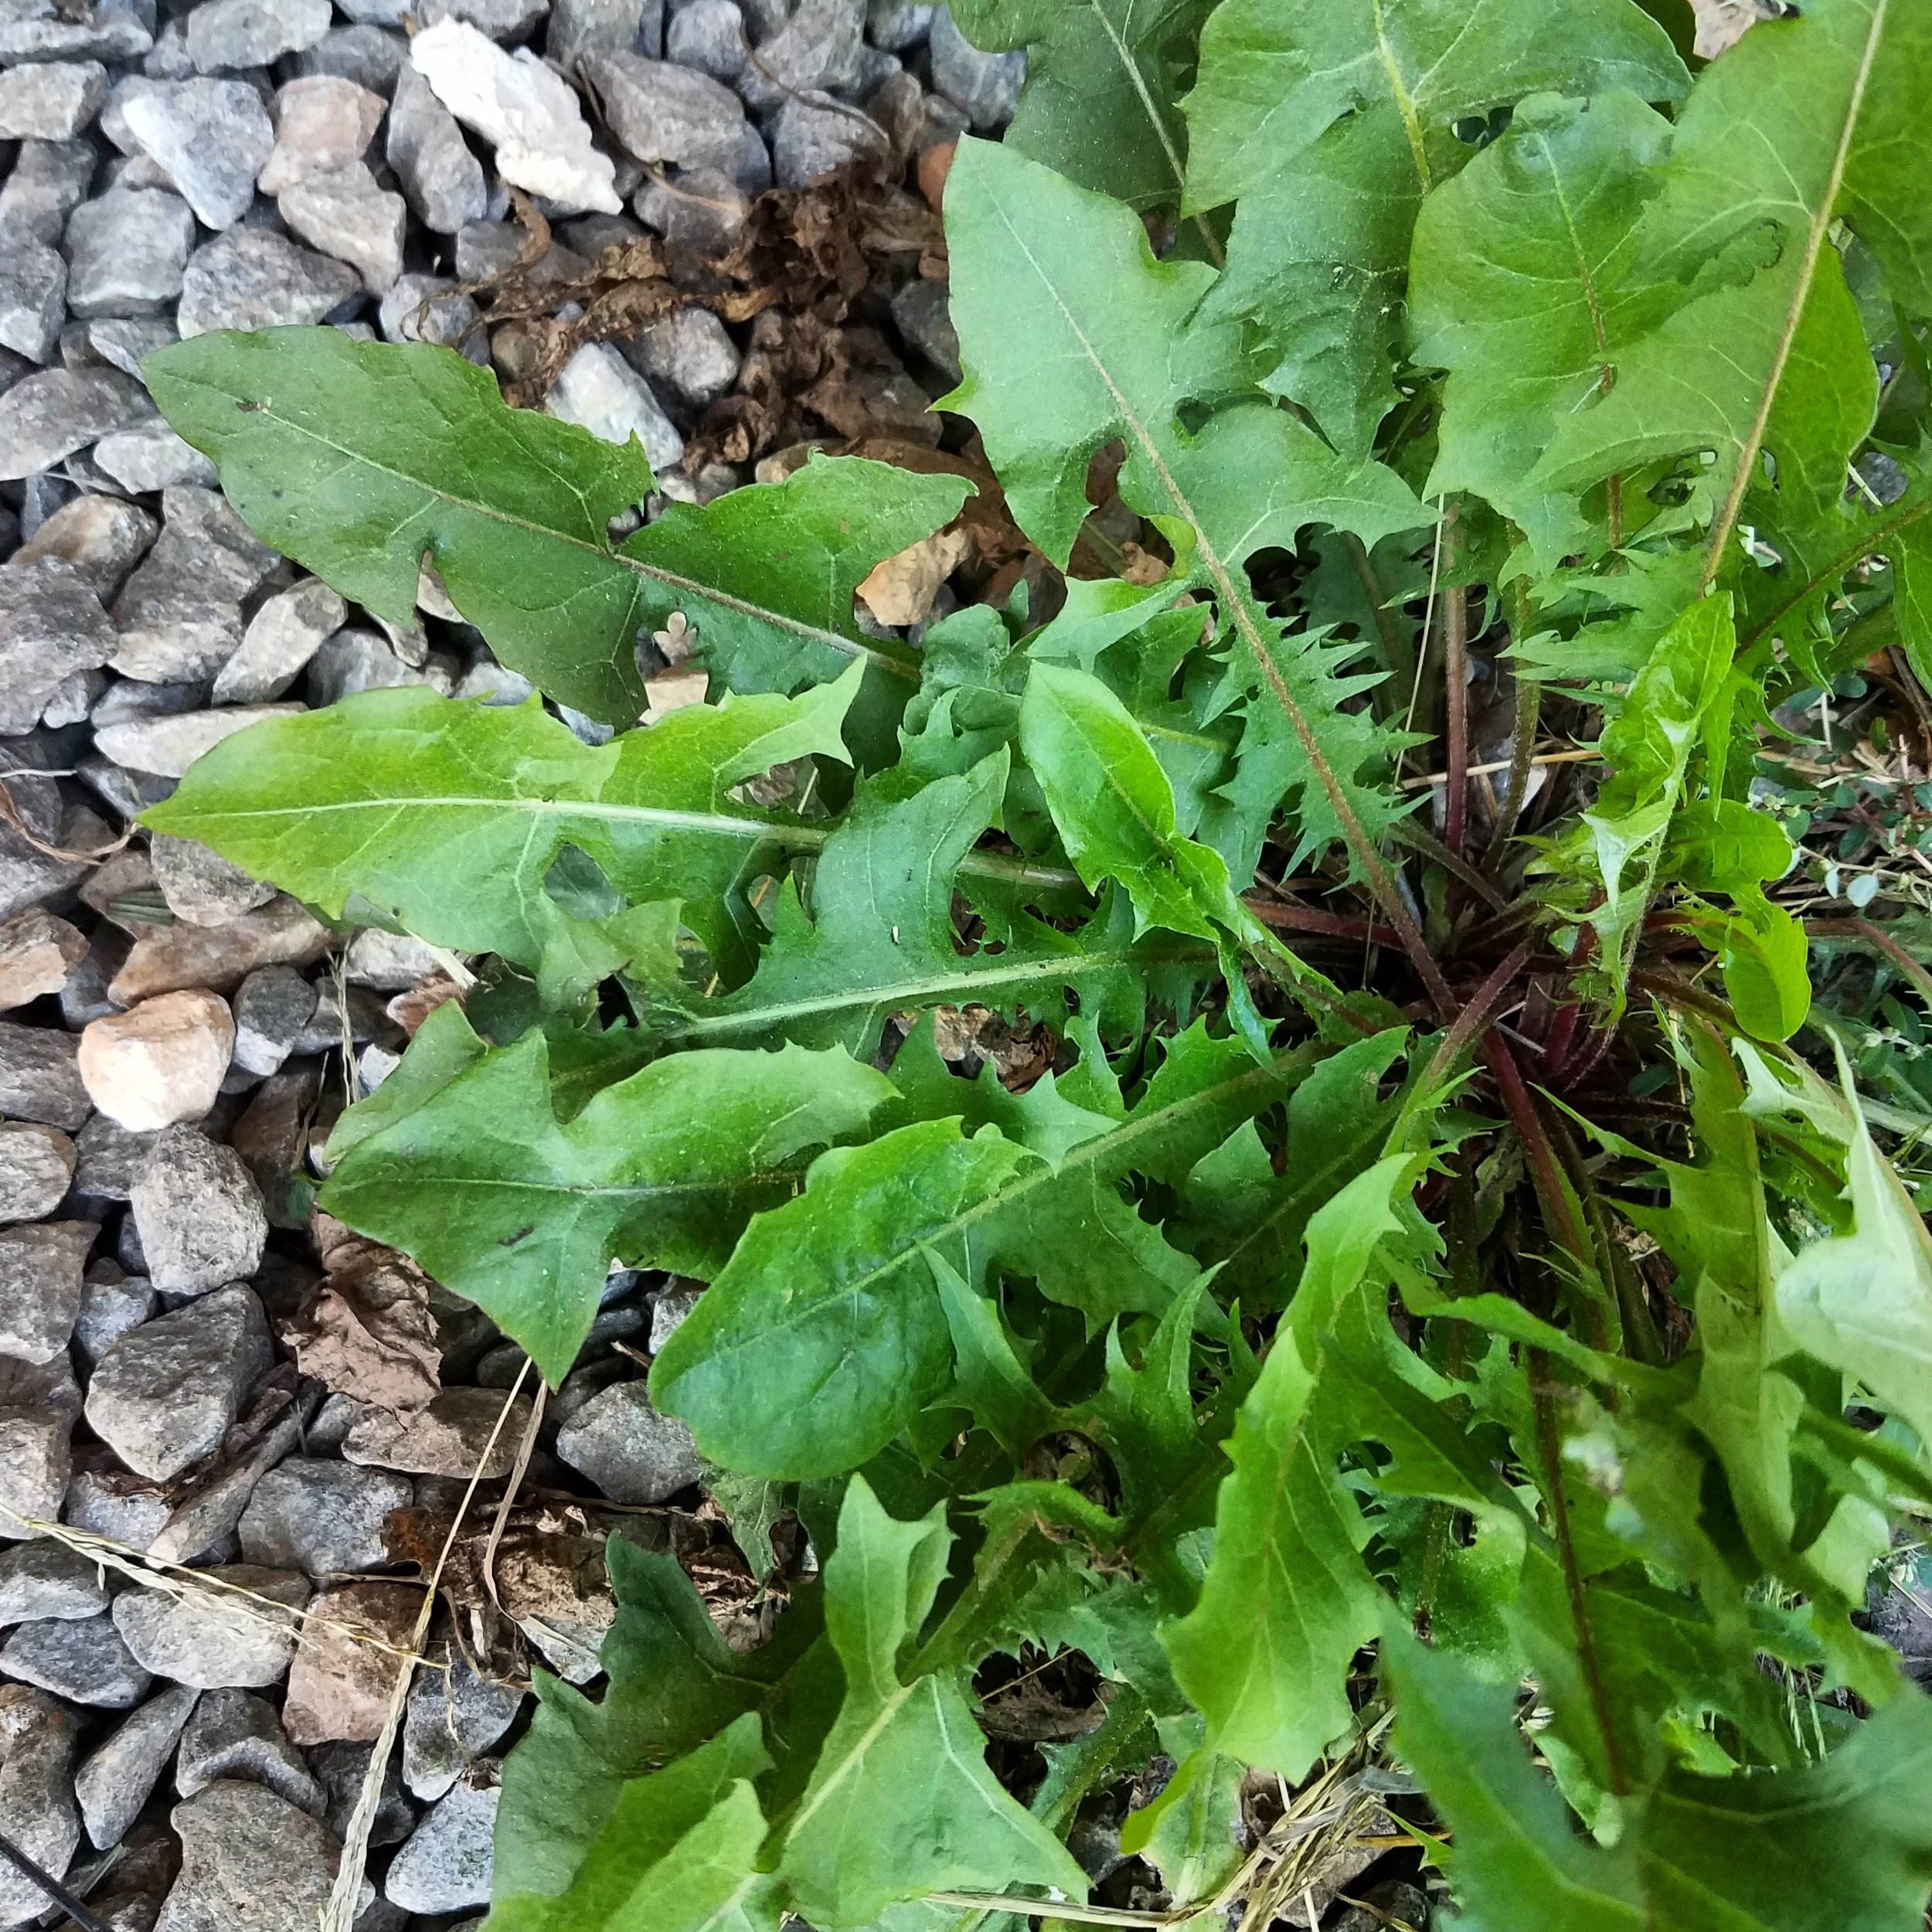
(175, 1037)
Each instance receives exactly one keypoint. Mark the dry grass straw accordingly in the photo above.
(339, 1914)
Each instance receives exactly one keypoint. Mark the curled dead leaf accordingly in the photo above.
(900, 590)
(368, 1331)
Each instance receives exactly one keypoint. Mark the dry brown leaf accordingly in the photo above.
(670, 690)
(410, 1009)
(368, 1331)
(900, 590)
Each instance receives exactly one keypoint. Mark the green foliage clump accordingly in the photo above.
(1353, 1283)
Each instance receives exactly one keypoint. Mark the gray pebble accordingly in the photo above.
(107, 1156)
(127, 251)
(40, 1076)
(817, 48)
(51, 626)
(985, 85)
(103, 537)
(232, 1734)
(272, 1010)
(429, 308)
(83, 1660)
(179, 615)
(355, 660)
(37, 1739)
(282, 637)
(703, 210)
(151, 457)
(581, 27)
(598, 391)
(211, 1637)
(36, 1164)
(251, 33)
(112, 1304)
(50, 100)
(110, 1502)
(200, 1214)
(814, 135)
(50, 178)
(200, 886)
(507, 21)
(453, 1717)
(445, 1864)
(663, 113)
(39, 1407)
(632, 1453)
(44, 1580)
(897, 28)
(51, 415)
(125, 343)
(688, 353)
(443, 179)
(248, 1859)
(709, 34)
(346, 214)
(33, 288)
(118, 1778)
(920, 310)
(167, 745)
(365, 53)
(42, 30)
(40, 1270)
(165, 1394)
(341, 1769)
(321, 1517)
(253, 278)
(212, 137)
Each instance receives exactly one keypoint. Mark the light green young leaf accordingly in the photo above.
(677, 1851)
(523, 1212)
(1038, 262)
(1329, 120)
(901, 1802)
(1113, 806)
(1680, 697)
(1099, 103)
(1862, 1302)
(1251, 1220)
(359, 460)
(449, 816)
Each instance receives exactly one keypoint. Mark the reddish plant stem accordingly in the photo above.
(1521, 1110)
(1306, 919)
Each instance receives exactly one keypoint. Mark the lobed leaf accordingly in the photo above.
(523, 1212)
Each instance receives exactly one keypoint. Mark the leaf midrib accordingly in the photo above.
(914, 991)
(1038, 1173)
(689, 587)
(795, 837)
